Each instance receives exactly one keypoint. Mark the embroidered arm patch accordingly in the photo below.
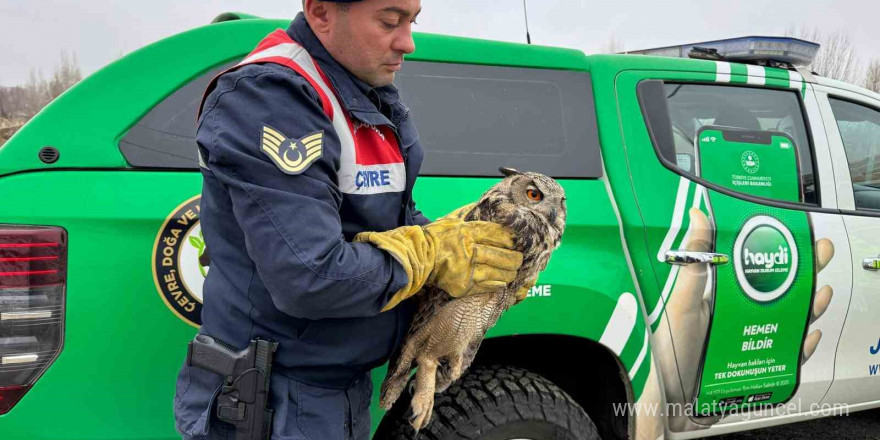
(292, 156)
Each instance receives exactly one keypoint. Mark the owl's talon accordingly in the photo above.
(420, 419)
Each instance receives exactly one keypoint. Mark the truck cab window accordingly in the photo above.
(860, 130)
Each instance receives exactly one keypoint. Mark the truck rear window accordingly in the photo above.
(471, 120)
(166, 136)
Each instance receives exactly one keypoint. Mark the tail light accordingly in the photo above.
(33, 273)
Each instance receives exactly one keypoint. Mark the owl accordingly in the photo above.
(446, 332)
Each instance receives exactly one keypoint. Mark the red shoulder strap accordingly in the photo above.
(276, 38)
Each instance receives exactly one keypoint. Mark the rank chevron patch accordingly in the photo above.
(292, 156)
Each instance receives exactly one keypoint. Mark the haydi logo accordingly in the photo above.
(765, 258)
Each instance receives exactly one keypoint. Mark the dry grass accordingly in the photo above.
(8, 127)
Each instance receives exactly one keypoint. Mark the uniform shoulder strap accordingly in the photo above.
(279, 48)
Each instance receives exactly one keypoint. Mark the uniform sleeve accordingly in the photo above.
(418, 218)
(290, 218)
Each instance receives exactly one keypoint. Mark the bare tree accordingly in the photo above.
(39, 91)
(34, 93)
(20, 103)
(10, 102)
(872, 76)
(5, 97)
(4, 103)
(65, 75)
(837, 57)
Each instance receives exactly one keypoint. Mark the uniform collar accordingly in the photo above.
(355, 95)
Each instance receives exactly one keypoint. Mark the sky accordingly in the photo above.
(34, 33)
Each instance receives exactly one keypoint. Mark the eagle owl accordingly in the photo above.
(446, 332)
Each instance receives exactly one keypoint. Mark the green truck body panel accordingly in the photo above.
(123, 346)
(120, 348)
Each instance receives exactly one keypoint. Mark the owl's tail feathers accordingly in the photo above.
(398, 374)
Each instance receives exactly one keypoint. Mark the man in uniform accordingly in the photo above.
(302, 146)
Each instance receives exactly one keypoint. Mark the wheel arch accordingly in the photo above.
(590, 341)
(584, 368)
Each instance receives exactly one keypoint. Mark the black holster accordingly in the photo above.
(243, 397)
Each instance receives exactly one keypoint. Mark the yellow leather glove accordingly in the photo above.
(460, 213)
(462, 258)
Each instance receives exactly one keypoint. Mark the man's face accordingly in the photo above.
(369, 37)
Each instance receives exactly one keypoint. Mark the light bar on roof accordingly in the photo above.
(788, 50)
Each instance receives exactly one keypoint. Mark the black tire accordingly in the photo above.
(495, 403)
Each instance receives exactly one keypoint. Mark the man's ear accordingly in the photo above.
(318, 15)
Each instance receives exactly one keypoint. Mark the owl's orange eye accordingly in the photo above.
(535, 195)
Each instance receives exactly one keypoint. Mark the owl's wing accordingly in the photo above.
(543, 253)
(471, 352)
(402, 360)
(543, 264)
(431, 299)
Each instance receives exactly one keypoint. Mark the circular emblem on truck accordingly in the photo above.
(180, 262)
(750, 162)
(765, 258)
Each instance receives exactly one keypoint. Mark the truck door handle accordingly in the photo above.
(682, 258)
(872, 263)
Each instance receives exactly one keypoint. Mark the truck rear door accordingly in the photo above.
(740, 235)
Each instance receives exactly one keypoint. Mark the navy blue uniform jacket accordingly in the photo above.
(282, 264)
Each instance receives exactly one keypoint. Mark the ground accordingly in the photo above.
(8, 127)
(862, 425)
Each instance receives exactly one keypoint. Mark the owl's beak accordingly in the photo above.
(552, 215)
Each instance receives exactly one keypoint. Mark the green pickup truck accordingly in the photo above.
(719, 270)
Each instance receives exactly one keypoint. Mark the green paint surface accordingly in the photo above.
(124, 346)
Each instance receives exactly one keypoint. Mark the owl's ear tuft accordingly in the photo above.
(508, 171)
